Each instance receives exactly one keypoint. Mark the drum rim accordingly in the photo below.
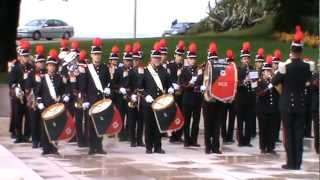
(97, 103)
(164, 95)
(52, 117)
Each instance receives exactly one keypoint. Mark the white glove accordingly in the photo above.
(123, 91)
(85, 105)
(193, 80)
(66, 99)
(40, 106)
(170, 90)
(203, 88)
(175, 86)
(134, 98)
(18, 92)
(149, 99)
(270, 86)
(107, 91)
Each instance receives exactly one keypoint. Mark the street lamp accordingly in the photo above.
(135, 20)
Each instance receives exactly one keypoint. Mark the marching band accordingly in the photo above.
(66, 96)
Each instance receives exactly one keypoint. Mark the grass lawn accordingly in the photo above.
(259, 36)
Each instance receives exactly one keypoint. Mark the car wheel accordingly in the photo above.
(49, 39)
(36, 35)
(66, 35)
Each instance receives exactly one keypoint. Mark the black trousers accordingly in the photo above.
(191, 131)
(267, 131)
(95, 142)
(278, 124)
(293, 127)
(47, 146)
(35, 120)
(176, 135)
(152, 134)
(123, 108)
(81, 123)
(227, 130)
(245, 116)
(12, 125)
(213, 114)
(308, 121)
(135, 121)
(315, 118)
(21, 113)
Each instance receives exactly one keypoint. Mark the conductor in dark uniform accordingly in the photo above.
(294, 75)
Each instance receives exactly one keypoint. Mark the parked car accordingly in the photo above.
(178, 28)
(45, 28)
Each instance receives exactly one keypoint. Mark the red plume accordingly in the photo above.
(277, 53)
(298, 28)
(75, 44)
(230, 54)
(40, 49)
(212, 47)
(260, 51)
(64, 43)
(115, 49)
(97, 42)
(156, 46)
(128, 48)
(298, 36)
(193, 47)
(181, 44)
(136, 47)
(25, 44)
(269, 59)
(83, 55)
(163, 43)
(246, 46)
(53, 53)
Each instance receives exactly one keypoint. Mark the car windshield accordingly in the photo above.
(178, 26)
(38, 22)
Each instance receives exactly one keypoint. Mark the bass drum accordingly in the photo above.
(105, 117)
(167, 113)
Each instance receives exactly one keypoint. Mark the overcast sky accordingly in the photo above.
(114, 18)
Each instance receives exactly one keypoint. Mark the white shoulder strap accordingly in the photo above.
(52, 91)
(95, 77)
(155, 77)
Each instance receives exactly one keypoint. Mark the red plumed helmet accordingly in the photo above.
(298, 36)
(40, 49)
(64, 43)
(212, 47)
(25, 44)
(156, 46)
(163, 43)
(83, 55)
(136, 47)
(53, 53)
(193, 47)
(75, 44)
(260, 51)
(97, 42)
(269, 59)
(246, 46)
(115, 49)
(277, 54)
(128, 48)
(181, 44)
(230, 54)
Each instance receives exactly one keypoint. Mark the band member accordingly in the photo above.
(164, 52)
(213, 112)
(94, 87)
(175, 69)
(31, 84)
(135, 116)
(275, 62)
(17, 82)
(190, 81)
(245, 98)
(308, 102)
(120, 84)
(113, 61)
(50, 90)
(230, 111)
(315, 108)
(294, 75)
(267, 107)
(155, 82)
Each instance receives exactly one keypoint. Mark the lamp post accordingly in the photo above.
(135, 20)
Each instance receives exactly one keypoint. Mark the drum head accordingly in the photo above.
(162, 102)
(100, 106)
(53, 111)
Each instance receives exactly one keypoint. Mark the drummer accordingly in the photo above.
(94, 85)
(155, 82)
(50, 90)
